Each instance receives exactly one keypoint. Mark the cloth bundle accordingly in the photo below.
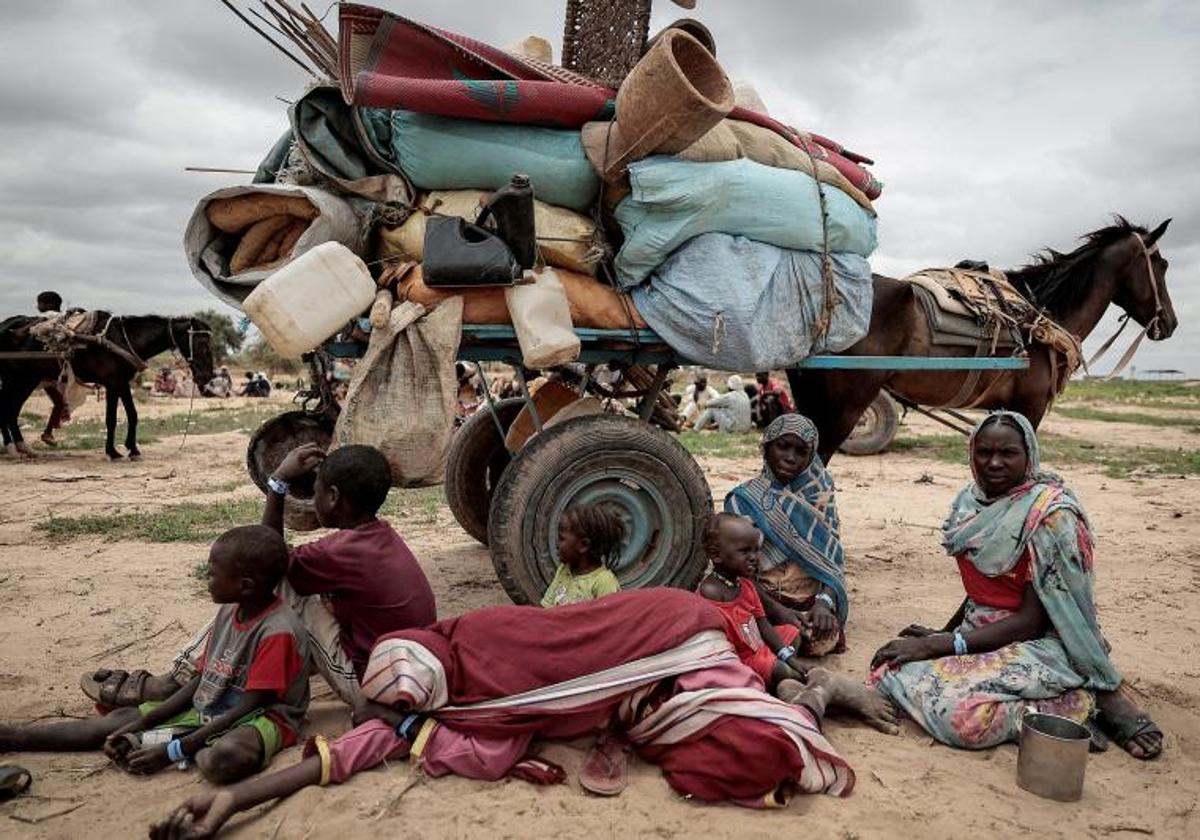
(269, 227)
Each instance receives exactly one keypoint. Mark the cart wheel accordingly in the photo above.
(655, 485)
(875, 430)
(476, 460)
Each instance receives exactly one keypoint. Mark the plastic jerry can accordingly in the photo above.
(310, 298)
(541, 317)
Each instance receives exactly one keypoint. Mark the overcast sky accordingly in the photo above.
(997, 127)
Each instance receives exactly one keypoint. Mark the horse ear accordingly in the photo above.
(1157, 232)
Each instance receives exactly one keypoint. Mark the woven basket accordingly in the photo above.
(603, 40)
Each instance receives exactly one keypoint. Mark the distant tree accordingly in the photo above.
(259, 355)
(227, 339)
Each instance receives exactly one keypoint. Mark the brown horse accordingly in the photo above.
(138, 338)
(1118, 264)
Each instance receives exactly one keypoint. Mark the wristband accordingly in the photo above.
(175, 751)
(960, 644)
(405, 729)
(277, 486)
(824, 596)
(785, 653)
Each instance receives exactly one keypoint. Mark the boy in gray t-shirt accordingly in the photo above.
(249, 694)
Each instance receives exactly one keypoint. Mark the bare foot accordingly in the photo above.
(844, 692)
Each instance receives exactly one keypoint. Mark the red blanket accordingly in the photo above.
(389, 61)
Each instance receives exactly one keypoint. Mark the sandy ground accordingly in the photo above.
(72, 606)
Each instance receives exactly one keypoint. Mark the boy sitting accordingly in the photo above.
(247, 699)
(364, 572)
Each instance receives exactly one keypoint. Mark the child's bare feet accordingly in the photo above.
(842, 691)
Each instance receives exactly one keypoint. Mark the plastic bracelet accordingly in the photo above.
(960, 644)
(322, 746)
(785, 653)
(175, 751)
(824, 596)
(404, 729)
(277, 486)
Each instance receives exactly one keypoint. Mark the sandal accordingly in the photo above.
(603, 768)
(114, 689)
(1123, 731)
(14, 781)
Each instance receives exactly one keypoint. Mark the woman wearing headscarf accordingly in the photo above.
(792, 503)
(1027, 635)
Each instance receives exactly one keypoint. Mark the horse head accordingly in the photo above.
(192, 338)
(1142, 292)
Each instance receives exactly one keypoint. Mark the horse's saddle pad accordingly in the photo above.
(970, 308)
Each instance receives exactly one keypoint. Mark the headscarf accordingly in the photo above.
(994, 533)
(799, 519)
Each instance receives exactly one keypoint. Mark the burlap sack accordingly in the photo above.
(593, 304)
(402, 395)
(565, 238)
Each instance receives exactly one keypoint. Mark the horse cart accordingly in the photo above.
(511, 499)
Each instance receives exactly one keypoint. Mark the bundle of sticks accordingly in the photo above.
(313, 48)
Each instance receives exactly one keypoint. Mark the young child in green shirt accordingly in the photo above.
(589, 543)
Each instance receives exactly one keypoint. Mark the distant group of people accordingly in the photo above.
(738, 410)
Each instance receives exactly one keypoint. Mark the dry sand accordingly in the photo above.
(77, 605)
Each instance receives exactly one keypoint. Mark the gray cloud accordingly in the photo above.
(998, 128)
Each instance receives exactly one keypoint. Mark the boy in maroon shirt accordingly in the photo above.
(348, 587)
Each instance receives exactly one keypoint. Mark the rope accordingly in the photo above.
(832, 300)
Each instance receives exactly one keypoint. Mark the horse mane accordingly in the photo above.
(1059, 282)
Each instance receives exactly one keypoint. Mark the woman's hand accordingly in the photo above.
(822, 621)
(917, 631)
(200, 817)
(901, 651)
(300, 461)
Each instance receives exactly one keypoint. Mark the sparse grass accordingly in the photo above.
(718, 445)
(1058, 451)
(1181, 395)
(184, 522)
(1192, 424)
(206, 420)
(420, 505)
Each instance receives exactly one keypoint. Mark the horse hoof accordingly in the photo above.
(135, 456)
(115, 456)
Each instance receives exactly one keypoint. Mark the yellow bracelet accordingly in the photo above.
(326, 761)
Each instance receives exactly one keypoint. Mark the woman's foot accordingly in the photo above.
(842, 691)
(1120, 717)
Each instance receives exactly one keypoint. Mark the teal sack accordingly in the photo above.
(675, 200)
(443, 153)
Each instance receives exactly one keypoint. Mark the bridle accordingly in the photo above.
(1147, 253)
(132, 355)
(191, 340)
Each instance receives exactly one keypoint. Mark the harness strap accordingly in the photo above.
(1132, 349)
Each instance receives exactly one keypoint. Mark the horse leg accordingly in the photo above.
(110, 423)
(131, 420)
(834, 400)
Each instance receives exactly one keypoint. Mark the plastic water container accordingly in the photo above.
(541, 317)
(310, 298)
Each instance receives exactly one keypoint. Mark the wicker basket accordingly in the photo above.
(603, 39)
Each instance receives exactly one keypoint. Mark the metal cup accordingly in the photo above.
(1053, 756)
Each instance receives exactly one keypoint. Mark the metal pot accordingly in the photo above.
(1052, 757)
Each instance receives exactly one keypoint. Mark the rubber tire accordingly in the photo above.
(883, 421)
(474, 463)
(544, 478)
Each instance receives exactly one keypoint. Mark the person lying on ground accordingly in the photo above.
(469, 696)
(364, 570)
(245, 702)
(728, 413)
(589, 543)
(792, 503)
(1027, 634)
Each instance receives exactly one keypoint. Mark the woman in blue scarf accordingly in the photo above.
(1027, 635)
(792, 503)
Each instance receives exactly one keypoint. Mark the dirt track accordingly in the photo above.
(66, 607)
